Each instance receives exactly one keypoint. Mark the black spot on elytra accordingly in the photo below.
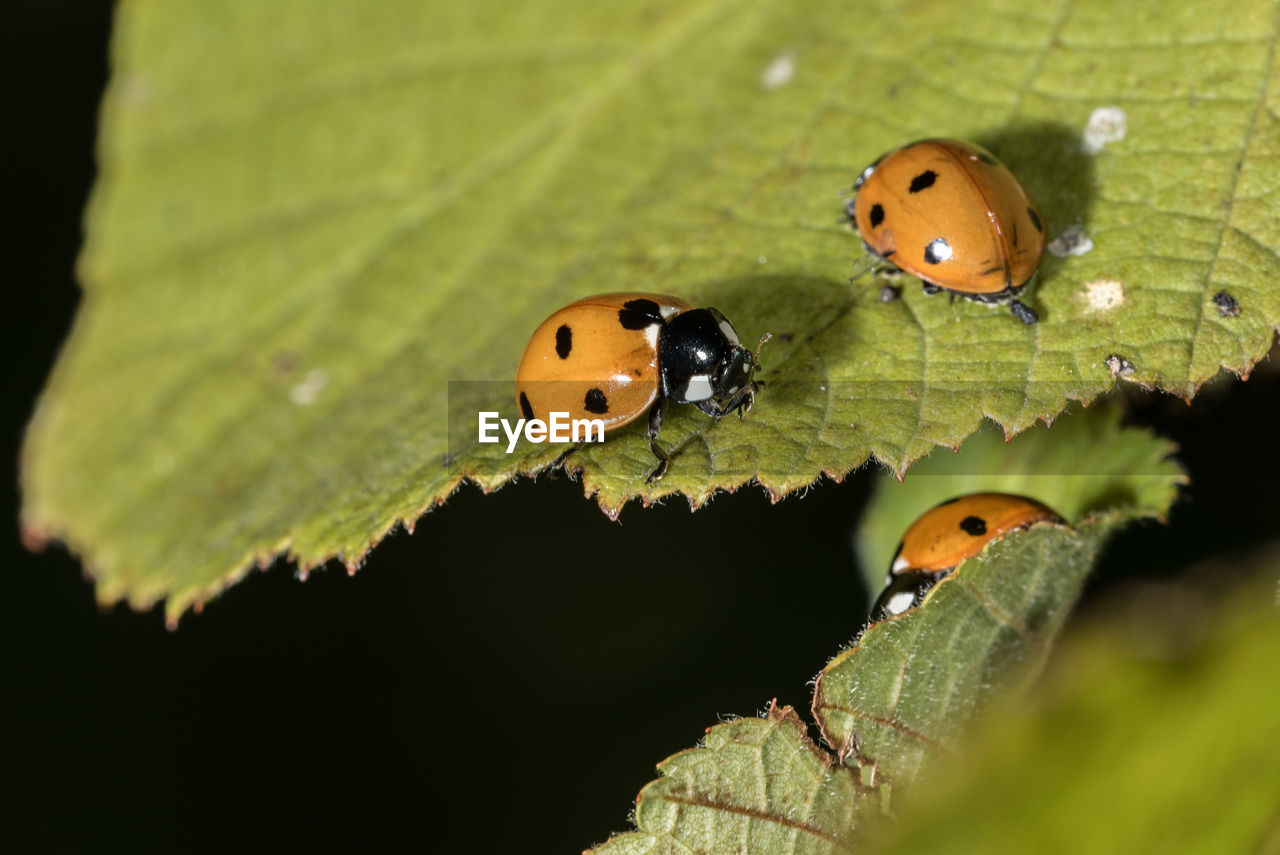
(923, 181)
(876, 216)
(595, 402)
(987, 159)
(991, 270)
(564, 341)
(973, 526)
(1035, 219)
(933, 252)
(526, 409)
(638, 314)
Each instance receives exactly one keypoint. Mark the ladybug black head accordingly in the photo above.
(904, 591)
(702, 362)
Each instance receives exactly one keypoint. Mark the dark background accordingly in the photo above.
(355, 711)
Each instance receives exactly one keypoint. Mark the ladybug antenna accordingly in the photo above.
(755, 357)
(863, 266)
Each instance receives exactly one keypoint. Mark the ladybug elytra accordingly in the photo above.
(951, 214)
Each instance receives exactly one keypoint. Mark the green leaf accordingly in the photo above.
(756, 785)
(1155, 731)
(903, 695)
(311, 217)
(901, 699)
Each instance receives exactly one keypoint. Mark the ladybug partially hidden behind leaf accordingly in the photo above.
(948, 534)
(949, 213)
(615, 357)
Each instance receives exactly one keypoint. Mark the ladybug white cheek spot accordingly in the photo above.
(729, 332)
(899, 564)
(651, 335)
(698, 388)
(899, 603)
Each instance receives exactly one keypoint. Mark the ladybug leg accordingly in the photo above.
(1023, 312)
(558, 463)
(739, 403)
(930, 288)
(878, 264)
(656, 412)
(886, 269)
(748, 398)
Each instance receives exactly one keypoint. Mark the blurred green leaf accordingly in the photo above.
(311, 216)
(1154, 731)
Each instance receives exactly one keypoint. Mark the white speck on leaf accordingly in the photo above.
(1102, 295)
(1119, 366)
(779, 72)
(308, 389)
(1072, 241)
(1105, 125)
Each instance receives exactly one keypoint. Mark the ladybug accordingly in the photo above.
(949, 213)
(615, 356)
(946, 535)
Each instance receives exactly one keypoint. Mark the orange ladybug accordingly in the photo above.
(949, 213)
(615, 356)
(946, 535)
